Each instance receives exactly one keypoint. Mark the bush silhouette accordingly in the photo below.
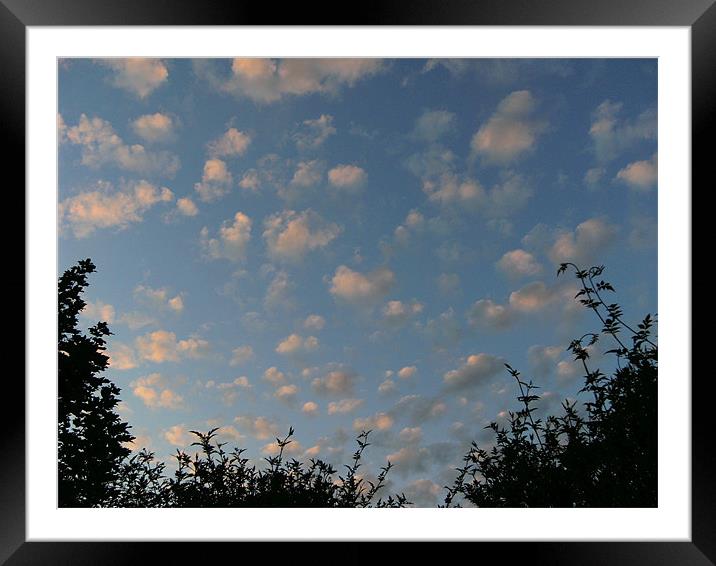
(604, 455)
(90, 433)
(95, 468)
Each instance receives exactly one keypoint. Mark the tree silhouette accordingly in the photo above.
(90, 433)
(603, 454)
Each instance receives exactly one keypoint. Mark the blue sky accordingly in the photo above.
(336, 244)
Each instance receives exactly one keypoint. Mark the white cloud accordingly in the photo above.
(532, 297)
(154, 392)
(640, 175)
(232, 143)
(215, 182)
(612, 135)
(344, 406)
(286, 394)
(313, 133)
(358, 288)
(295, 343)
(102, 146)
(162, 346)
(307, 174)
(155, 127)
(269, 80)
(398, 312)
(519, 263)
(140, 76)
(433, 125)
(106, 207)
(178, 435)
(260, 428)
(121, 357)
(232, 240)
(241, 355)
(476, 370)
(378, 421)
(511, 131)
(347, 177)
(275, 376)
(290, 235)
(588, 242)
(407, 372)
(98, 311)
(335, 382)
(250, 180)
(310, 408)
(186, 207)
(485, 313)
(386, 387)
(314, 322)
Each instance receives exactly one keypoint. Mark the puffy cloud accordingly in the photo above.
(241, 354)
(424, 493)
(542, 359)
(106, 207)
(277, 294)
(102, 146)
(344, 406)
(154, 128)
(589, 241)
(532, 297)
(273, 449)
(314, 322)
(408, 434)
(290, 235)
(504, 198)
(232, 143)
(186, 207)
(378, 421)
(511, 131)
(274, 375)
(640, 175)
(158, 298)
(519, 263)
(122, 357)
(418, 408)
(250, 180)
(269, 80)
(347, 177)
(97, 311)
(433, 125)
(307, 174)
(178, 435)
(414, 222)
(313, 133)
(286, 394)
(162, 346)
(594, 175)
(476, 370)
(407, 372)
(386, 387)
(358, 288)
(398, 312)
(215, 181)
(445, 330)
(232, 239)
(310, 408)
(336, 382)
(485, 313)
(154, 392)
(260, 428)
(295, 343)
(612, 135)
(449, 283)
(137, 75)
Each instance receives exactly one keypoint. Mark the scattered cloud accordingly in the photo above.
(232, 143)
(275, 376)
(359, 288)
(106, 207)
(407, 372)
(587, 242)
(313, 133)
(291, 235)
(295, 343)
(98, 311)
(314, 322)
(232, 239)
(102, 146)
(159, 299)
(344, 406)
(519, 263)
(511, 131)
(154, 128)
(378, 421)
(260, 428)
(178, 435)
(640, 175)
(476, 370)
(215, 182)
(398, 313)
(186, 207)
(162, 346)
(487, 314)
(154, 392)
(241, 355)
(432, 125)
(138, 75)
(336, 382)
(347, 178)
(310, 408)
(612, 135)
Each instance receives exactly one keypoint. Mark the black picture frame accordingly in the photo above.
(16, 15)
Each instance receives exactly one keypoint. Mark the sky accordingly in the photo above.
(338, 245)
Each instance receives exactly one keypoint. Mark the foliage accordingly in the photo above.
(90, 433)
(215, 478)
(601, 455)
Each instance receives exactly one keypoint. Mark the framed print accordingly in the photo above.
(350, 230)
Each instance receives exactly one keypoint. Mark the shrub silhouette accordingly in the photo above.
(95, 468)
(602, 456)
(90, 433)
(215, 478)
